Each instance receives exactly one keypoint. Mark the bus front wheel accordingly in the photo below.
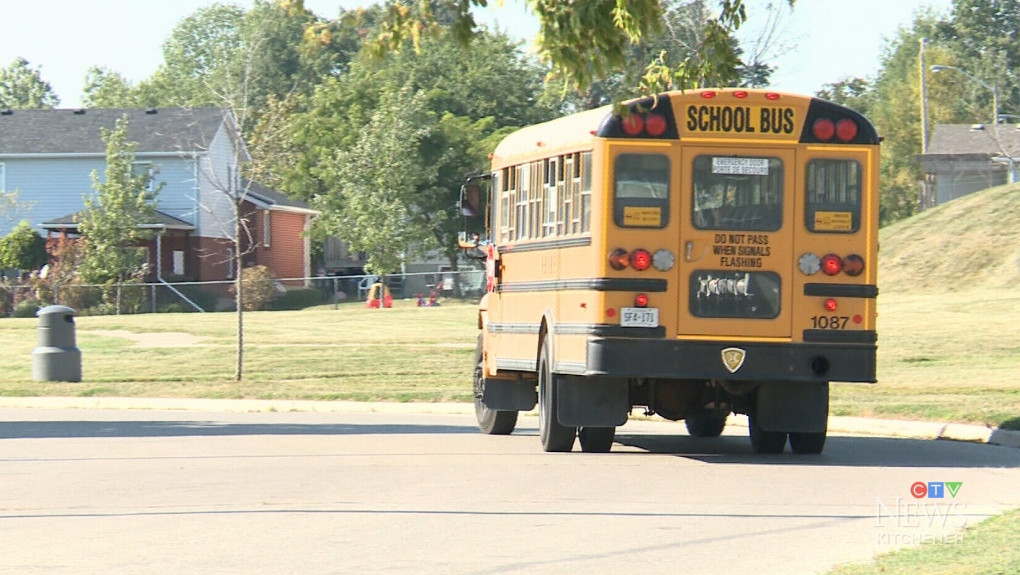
(490, 421)
(554, 435)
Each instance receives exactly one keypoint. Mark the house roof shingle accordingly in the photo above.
(978, 139)
(159, 220)
(69, 131)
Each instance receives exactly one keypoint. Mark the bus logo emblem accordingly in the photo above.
(733, 358)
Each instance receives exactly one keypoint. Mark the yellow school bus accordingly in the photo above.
(692, 254)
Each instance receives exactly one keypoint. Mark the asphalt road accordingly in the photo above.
(130, 492)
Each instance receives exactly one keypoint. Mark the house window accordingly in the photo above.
(267, 231)
(178, 264)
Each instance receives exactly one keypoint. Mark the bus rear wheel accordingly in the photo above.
(765, 442)
(596, 439)
(807, 443)
(490, 421)
(554, 435)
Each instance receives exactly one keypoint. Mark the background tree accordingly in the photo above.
(109, 224)
(23, 249)
(376, 210)
(105, 88)
(577, 39)
(23, 87)
(466, 95)
(983, 36)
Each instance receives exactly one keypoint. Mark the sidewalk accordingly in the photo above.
(851, 425)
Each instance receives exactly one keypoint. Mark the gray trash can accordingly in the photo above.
(57, 358)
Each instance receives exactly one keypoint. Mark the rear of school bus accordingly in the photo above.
(730, 267)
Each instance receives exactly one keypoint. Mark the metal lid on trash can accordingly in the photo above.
(53, 309)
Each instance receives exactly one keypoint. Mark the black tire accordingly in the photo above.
(706, 424)
(766, 442)
(807, 443)
(554, 435)
(490, 421)
(596, 439)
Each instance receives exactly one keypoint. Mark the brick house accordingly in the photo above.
(48, 156)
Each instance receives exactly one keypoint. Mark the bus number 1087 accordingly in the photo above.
(830, 321)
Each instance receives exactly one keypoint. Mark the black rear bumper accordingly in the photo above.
(762, 361)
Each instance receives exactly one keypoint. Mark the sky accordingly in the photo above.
(822, 41)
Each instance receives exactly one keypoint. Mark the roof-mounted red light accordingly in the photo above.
(846, 130)
(832, 264)
(823, 129)
(640, 260)
(633, 124)
(740, 94)
(655, 125)
(772, 96)
(708, 94)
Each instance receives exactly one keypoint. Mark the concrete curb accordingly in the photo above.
(838, 424)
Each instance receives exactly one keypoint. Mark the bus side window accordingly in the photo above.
(641, 190)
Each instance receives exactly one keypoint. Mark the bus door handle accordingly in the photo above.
(689, 255)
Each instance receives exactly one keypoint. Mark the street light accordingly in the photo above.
(995, 91)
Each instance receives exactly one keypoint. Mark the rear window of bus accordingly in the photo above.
(738, 193)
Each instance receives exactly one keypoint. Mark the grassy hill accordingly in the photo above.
(970, 243)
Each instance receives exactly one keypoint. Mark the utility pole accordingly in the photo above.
(924, 99)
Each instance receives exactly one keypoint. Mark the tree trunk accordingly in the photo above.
(239, 370)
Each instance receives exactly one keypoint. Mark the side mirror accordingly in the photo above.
(470, 200)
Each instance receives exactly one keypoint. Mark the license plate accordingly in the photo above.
(639, 317)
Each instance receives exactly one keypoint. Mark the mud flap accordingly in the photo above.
(510, 394)
(799, 407)
(592, 401)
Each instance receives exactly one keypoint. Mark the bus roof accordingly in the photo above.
(577, 131)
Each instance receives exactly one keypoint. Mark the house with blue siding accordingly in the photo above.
(48, 156)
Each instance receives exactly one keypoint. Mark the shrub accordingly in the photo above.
(27, 308)
(257, 288)
(298, 299)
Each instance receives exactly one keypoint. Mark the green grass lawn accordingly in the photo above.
(988, 548)
(945, 357)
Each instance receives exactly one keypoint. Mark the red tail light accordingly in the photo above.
(831, 305)
(831, 264)
(640, 260)
(641, 300)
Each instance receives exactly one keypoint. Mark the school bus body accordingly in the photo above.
(720, 256)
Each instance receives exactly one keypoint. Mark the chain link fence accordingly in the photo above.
(22, 298)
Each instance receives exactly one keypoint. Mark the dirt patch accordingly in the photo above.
(152, 339)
